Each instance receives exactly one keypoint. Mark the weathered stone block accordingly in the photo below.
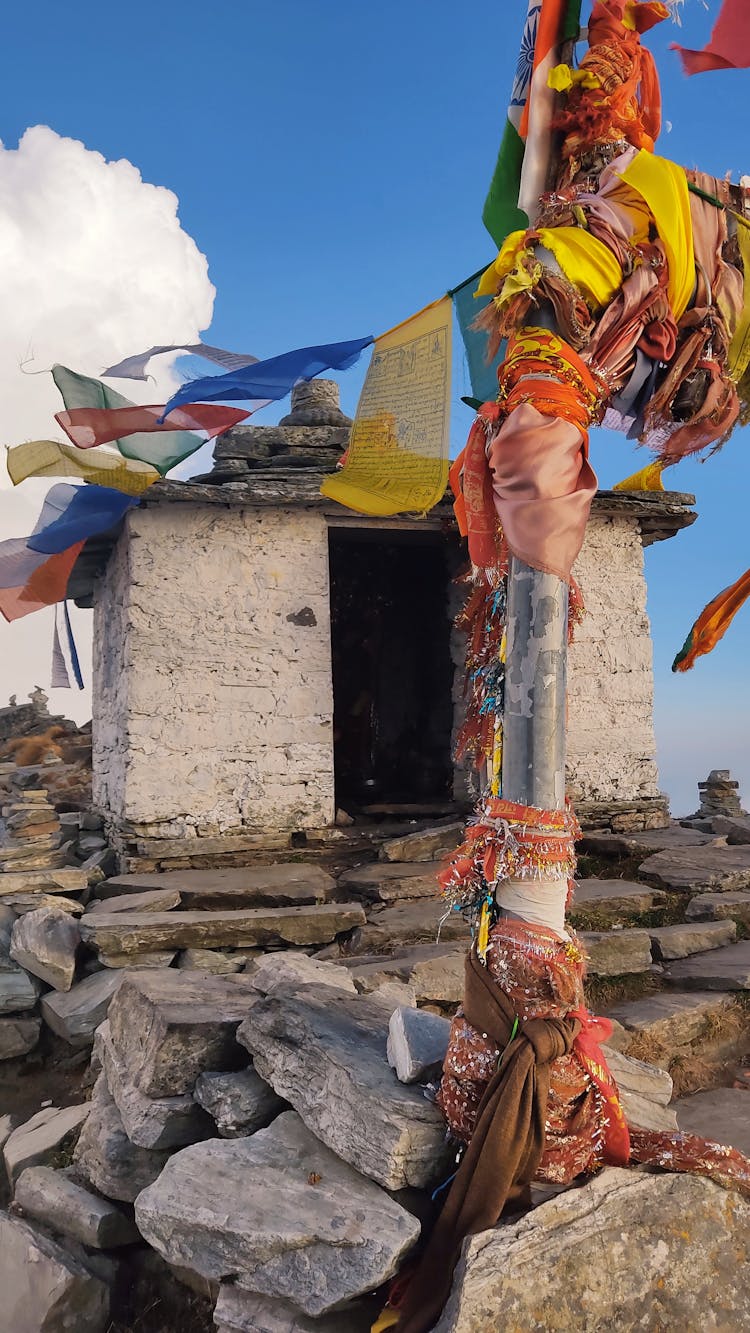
(681, 941)
(310, 1231)
(613, 896)
(44, 1288)
(240, 1311)
(282, 971)
(719, 907)
(153, 900)
(645, 1091)
(675, 1245)
(76, 1014)
(105, 1156)
(616, 953)
(391, 882)
(407, 923)
(169, 1026)
(151, 1122)
(18, 991)
(671, 1019)
(321, 1049)
(45, 943)
(18, 1035)
(52, 1198)
(283, 885)
(717, 867)
(718, 1114)
(240, 1103)
(721, 969)
(37, 1141)
(417, 1043)
(429, 844)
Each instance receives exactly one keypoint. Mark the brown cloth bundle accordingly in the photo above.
(507, 1144)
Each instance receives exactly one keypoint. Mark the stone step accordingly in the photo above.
(36, 1142)
(75, 1015)
(719, 907)
(672, 838)
(436, 971)
(736, 829)
(672, 1019)
(726, 969)
(719, 1114)
(391, 881)
(395, 927)
(616, 953)
(693, 937)
(615, 896)
(427, 844)
(645, 1091)
(147, 932)
(283, 885)
(715, 867)
(153, 900)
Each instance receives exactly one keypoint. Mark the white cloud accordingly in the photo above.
(94, 266)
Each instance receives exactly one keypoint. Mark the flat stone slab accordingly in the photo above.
(76, 1014)
(717, 867)
(52, 1198)
(140, 932)
(45, 942)
(396, 927)
(40, 1138)
(427, 844)
(214, 960)
(138, 962)
(310, 1230)
(719, 907)
(616, 953)
(436, 971)
(319, 1048)
(18, 991)
(19, 1034)
(44, 1288)
(168, 1026)
(721, 969)
(284, 885)
(391, 882)
(282, 971)
(675, 1245)
(151, 1122)
(153, 900)
(615, 895)
(673, 838)
(240, 1103)
(417, 1044)
(645, 1091)
(106, 1157)
(672, 1019)
(735, 828)
(21, 903)
(720, 1114)
(693, 937)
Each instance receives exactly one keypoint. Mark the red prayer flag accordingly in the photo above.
(729, 47)
(48, 584)
(88, 427)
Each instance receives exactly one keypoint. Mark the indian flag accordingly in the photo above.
(521, 171)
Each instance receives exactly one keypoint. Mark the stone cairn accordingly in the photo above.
(719, 795)
(314, 435)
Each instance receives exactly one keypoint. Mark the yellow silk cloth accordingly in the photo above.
(586, 262)
(663, 187)
(397, 460)
(648, 479)
(50, 458)
(739, 351)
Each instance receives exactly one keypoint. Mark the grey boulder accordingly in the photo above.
(417, 1043)
(45, 943)
(239, 1103)
(55, 1200)
(44, 1288)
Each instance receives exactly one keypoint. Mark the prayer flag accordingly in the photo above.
(648, 479)
(84, 511)
(134, 367)
(48, 584)
(271, 379)
(162, 451)
(483, 374)
(729, 47)
(90, 426)
(397, 460)
(521, 169)
(713, 623)
(60, 675)
(50, 458)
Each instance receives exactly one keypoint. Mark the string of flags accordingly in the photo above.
(398, 457)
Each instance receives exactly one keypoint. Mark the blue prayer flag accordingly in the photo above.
(483, 375)
(83, 511)
(272, 379)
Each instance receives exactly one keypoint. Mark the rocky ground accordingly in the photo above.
(214, 1109)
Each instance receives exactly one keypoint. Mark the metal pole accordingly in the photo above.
(535, 684)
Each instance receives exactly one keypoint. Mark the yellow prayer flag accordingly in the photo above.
(648, 479)
(397, 460)
(739, 349)
(51, 458)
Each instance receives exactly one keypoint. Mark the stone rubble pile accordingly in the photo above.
(263, 1044)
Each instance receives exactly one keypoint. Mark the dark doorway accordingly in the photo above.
(392, 671)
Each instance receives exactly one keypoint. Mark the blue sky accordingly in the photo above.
(331, 160)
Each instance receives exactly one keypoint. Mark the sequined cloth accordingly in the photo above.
(543, 976)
